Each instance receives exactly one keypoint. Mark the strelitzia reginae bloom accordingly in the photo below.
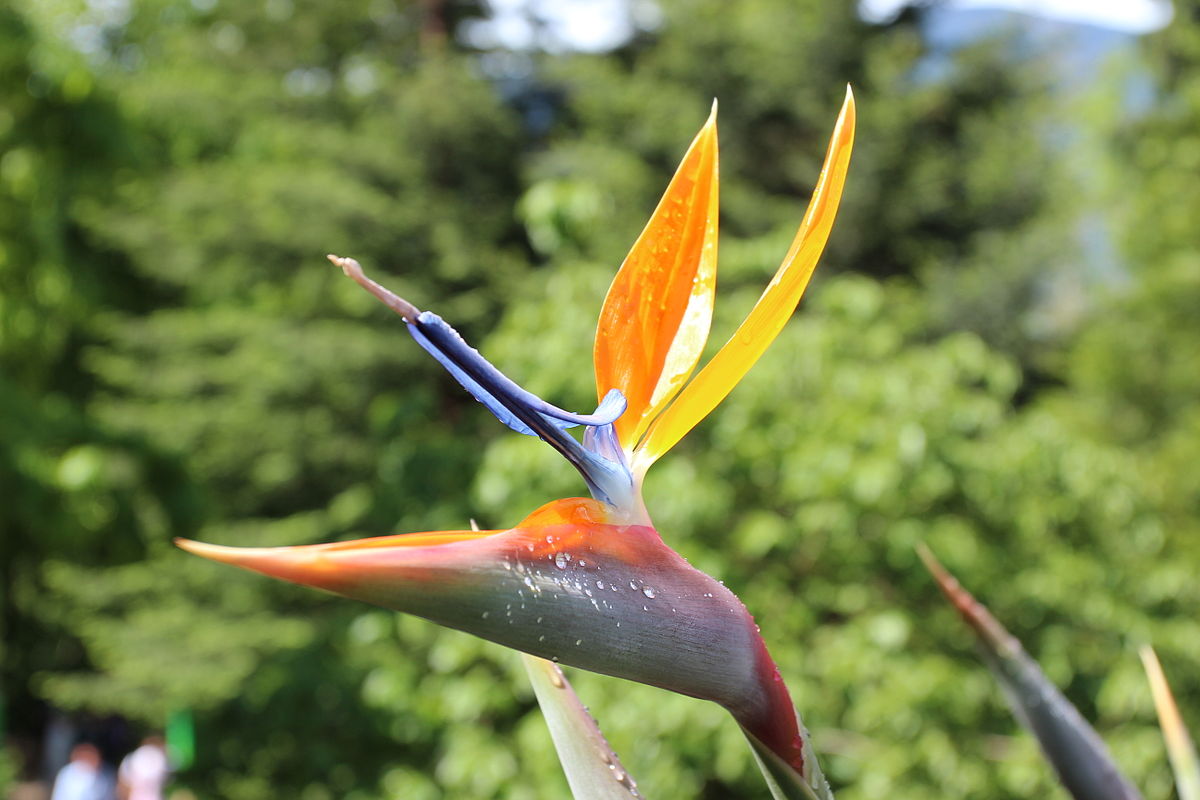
(589, 582)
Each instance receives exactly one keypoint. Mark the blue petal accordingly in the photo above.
(446, 345)
(609, 480)
(477, 391)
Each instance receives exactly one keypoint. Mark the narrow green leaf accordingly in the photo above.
(593, 770)
(783, 781)
(1072, 747)
(1180, 749)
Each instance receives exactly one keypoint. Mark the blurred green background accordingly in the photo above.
(1000, 356)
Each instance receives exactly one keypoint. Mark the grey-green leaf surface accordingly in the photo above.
(783, 781)
(1180, 748)
(593, 770)
(1072, 747)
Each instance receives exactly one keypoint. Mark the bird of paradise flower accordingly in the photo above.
(589, 582)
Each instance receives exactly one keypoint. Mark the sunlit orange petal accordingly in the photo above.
(768, 316)
(656, 316)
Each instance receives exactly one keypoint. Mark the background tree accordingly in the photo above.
(178, 359)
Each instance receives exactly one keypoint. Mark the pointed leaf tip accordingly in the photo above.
(1075, 751)
(1180, 749)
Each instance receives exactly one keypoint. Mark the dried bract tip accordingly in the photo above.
(354, 271)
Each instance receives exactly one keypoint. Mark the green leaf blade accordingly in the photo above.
(783, 781)
(1180, 749)
(1074, 749)
(593, 770)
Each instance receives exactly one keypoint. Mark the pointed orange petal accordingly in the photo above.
(655, 319)
(768, 316)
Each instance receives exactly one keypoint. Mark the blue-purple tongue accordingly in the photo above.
(609, 480)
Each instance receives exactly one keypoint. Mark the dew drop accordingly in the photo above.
(632, 584)
(599, 584)
(578, 642)
(561, 559)
(484, 615)
(646, 590)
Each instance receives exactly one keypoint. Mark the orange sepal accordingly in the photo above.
(656, 316)
(770, 313)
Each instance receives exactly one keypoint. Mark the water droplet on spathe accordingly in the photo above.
(646, 590)
(561, 559)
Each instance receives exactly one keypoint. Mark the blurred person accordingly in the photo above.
(144, 772)
(85, 777)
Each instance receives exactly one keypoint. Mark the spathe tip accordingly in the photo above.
(197, 548)
(297, 564)
(238, 556)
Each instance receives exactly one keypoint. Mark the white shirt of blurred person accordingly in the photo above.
(84, 777)
(144, 772)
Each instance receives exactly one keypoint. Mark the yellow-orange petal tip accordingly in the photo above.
(213, 552)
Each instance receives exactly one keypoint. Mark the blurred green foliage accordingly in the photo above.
(176, 358)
